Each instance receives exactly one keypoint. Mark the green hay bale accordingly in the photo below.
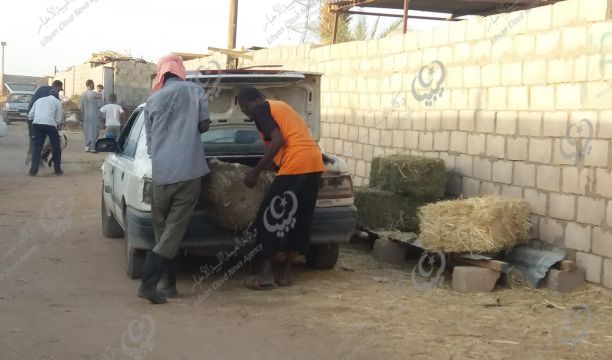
(378, 209)
(414, 176)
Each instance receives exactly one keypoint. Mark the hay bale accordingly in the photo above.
(379, 209)
(414, 176)
(478, 225)
(228, 202)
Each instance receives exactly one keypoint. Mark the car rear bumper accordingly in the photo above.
(15, 116)
(330, 225)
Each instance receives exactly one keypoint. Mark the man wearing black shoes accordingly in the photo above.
(175, 116)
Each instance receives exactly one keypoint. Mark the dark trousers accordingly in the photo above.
(284, 218)
(40, 134)
(30, 140)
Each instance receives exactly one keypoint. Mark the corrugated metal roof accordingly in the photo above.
(455, 7)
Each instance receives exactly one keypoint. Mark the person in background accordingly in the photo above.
(175, 115)
(101, 96)
(291, 147)
(113, 114)
(42, 91)
(46, 116)
(90, 106)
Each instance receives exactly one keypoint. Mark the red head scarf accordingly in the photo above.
(168, 64)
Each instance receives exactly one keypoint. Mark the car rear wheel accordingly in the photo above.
(110, 225)
(134, 258)
(323, 256)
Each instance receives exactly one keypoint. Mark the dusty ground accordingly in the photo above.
(64, 295)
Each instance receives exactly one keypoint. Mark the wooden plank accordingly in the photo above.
(494, 265)
(566, 265)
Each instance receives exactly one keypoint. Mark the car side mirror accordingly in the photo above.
(107, 145)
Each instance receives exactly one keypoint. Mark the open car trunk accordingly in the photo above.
(300, 90)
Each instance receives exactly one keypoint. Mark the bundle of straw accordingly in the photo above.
(227, 201)
(477, 225)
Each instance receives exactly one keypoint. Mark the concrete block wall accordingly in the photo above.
(75, 77)
(525, 111)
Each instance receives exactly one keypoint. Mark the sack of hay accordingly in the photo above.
(379, 209)
(228, 202)
(478, 225)
(414, 176)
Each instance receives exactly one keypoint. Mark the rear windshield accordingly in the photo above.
(20, 98)
(233, 141)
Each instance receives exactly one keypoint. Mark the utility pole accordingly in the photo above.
(233, 24)
(2, 79)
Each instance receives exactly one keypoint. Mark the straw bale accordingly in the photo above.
(228, 202)
(478, 225)
(379, 209)
(414, 176)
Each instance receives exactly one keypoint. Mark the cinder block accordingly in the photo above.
(591, 211)
(564, 281)
(491, 75)
(467, 120)
(454, 77)
(524, 46)
(464, 165)
(441, 141)
(426, 141)
(470, 187)
(481, 51)
(471, 76)
(596, 153)
(502, 48)
(472, 279)
(540, 150)
(433, 120)
(548, 177)
(518, 98)
(524, 174)
(602, 242)
(574, 38)
(569, 96)
(542, 98)
(577, 180)
(555, 124)
(578, 237)
(496, 146)
(536, 200)
(506, 122)
(449, 119)
(496, 98)
(412, 139)
(389, 251)
(457, 31)
(485, 121)
(607, 273)
(476, 144)
(551, 231)
(518, 148)
(534, 72)
(562, 206)
(548, 43)
(560, 71)
(482, 168)
(539, 18)
(565, 13)
(512, 191)
(529, 123)
(512, 74)
(591, 264)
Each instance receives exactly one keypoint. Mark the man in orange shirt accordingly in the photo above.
(285, 215)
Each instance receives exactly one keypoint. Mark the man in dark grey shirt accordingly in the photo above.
(175, 116)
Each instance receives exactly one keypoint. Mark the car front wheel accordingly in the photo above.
(323, 256)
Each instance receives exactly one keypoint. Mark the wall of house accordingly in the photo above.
(518, 104)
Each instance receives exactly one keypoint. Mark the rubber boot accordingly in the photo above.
(153, 271)
(168, 282)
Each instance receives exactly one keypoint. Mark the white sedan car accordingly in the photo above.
(126, 171)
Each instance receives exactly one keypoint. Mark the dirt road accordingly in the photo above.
(64, 295)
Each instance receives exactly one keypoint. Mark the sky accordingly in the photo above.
(44, 34)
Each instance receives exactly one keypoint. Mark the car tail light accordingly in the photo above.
(147, 191)
(335, 187)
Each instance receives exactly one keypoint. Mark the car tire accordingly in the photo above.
(134, 258)
(110, 225)
(323, 256)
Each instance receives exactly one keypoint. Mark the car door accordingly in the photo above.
(124, 166)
